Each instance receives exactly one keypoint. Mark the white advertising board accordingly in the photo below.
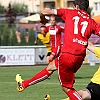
(40, 54)
(32, 55)
(21, 56)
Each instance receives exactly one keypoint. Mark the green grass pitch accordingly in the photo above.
(38, 91)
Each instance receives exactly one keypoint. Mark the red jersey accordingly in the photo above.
(55, 36)
(78, 28)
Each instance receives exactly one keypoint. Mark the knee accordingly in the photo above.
(49, 70)
(51, 67)
(86, 97)
(65, 89)
(84, 94)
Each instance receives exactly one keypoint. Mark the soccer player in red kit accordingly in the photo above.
(55, 35)
(78, 28)
(55, 41)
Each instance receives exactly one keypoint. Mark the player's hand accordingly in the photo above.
(43, 12)
(51, 57)
(35, 42)
(48, 60)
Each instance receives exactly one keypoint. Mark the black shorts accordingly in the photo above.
(49, 53)
(94, 90)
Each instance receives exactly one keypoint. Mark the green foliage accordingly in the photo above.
(0, 40)
(1, 33)
(8, 39)
(1, 9)
(31, 37)
(6, 36)
(13, 39)
(20, 7)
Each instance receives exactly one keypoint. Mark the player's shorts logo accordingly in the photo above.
(2, 58)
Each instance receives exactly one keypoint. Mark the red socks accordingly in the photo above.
(73, 95)
(44, 74)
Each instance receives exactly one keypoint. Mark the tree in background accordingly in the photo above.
(20, 8)
(0, 41)
(10, 15)
(13, 39)
(5, 36)
(1, 9)
(31, 37)
(1, 32)
(7, 40)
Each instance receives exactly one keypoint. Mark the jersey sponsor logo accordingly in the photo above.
(52, 32)
(80, 41)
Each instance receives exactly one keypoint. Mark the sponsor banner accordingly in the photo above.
(32, 55)
(19, 56)
(40, 54)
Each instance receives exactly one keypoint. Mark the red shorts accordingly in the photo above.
(68, 65)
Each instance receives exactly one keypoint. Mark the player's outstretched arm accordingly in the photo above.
(36, 40)
(90, 46)
(47, 12)
(94, 49)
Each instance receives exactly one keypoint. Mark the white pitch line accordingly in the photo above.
(45, 83)
(59, 83)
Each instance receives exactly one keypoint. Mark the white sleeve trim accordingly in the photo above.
(55, 11)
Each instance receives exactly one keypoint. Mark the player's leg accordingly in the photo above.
(42, 75)
(47, 57)
(90, 46)
(85, 94)
(53, 65)
(68, 66)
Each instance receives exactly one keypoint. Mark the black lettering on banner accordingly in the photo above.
(41, 57)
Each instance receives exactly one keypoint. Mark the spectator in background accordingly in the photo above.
(36, 29)
(18, 33)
